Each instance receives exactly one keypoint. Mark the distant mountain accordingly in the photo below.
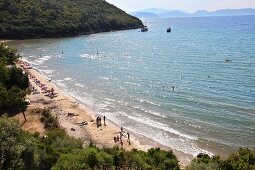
(174, 14)
(164, 13)
(159, 13)
(230, 12)
(154, 10)
(225, 12)
(144, 15)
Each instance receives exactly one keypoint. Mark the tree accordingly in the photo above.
(11, 144)
(23, 107)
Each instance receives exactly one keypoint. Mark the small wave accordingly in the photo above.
(145, 101)
(26, 60)
(49, 71)
(43, 59)
(78, 84)
(111, 100)
(59, 81)
(135, 84)
(150, 112)
(88, 56)
(59, 56)
(61, 84)
(84, 55)
(68, 79)
(161, 126)
(105, 78)
(155, 113)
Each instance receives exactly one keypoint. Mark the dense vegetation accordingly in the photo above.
(13, 82)
(244, 159)
(56, 150)
(50, 122)
(21, 19)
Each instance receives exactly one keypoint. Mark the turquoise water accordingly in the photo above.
(212, 108)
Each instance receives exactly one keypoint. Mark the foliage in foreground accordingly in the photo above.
(55, 18)
(13, 82)
(244, 159)
(50, 122)
(21, 150)
(56, 150)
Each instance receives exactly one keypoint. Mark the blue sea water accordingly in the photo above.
(128, 77)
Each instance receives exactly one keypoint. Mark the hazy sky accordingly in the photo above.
(186, 5)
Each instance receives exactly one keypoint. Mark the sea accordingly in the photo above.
(192, 89)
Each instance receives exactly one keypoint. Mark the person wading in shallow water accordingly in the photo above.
(173, 87)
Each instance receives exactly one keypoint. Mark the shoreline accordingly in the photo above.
(64, 103)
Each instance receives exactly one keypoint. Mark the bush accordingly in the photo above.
(50, 122)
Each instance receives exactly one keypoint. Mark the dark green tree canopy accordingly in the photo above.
(20, 19)
(13, 82)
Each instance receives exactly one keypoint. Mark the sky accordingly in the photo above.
(186, 5)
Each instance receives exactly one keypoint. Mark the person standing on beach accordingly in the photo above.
(97, 121)
(128, 140)
(100, 121)
(104, 121)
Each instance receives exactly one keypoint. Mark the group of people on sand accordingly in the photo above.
(25, 65)
(50, 92)
(122, 134)
(99, 121)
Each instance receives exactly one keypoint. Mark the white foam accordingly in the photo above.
(59, 81)
(89, 56)
(61, 84)
(59, 56)
(111, 100)
(146, 101)
(26, 60)
(43, 59)
(134, 84)
(78, 84)
(161, 126)
(180, 144)
(84, 55)
(150, 112)
(68, 79)
(105, 78)
(49, 71)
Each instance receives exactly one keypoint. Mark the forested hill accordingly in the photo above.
(20, 19)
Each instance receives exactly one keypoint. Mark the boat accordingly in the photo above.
(169, 29)
(144, 29)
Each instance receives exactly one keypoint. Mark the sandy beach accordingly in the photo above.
(71, 116)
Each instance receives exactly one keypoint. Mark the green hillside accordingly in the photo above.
(20, 19)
